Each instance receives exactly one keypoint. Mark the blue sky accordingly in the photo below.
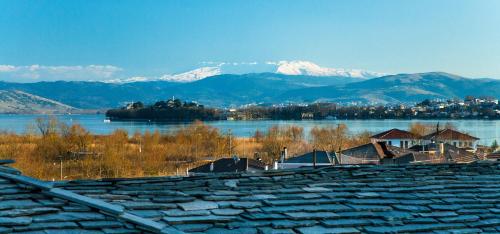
(117, 39)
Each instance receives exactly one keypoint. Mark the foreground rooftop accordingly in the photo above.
(440, 198)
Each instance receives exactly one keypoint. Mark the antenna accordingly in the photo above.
(437, 133)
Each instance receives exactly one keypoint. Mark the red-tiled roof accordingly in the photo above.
(450, 134)
(395, 134)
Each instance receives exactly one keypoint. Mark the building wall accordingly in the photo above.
(458, 143)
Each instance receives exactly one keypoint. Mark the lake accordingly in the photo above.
(487, 130)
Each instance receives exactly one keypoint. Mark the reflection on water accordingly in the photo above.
(484, 129)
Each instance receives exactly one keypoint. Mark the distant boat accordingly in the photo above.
(107, 121)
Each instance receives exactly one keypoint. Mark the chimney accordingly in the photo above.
(211, 166)
(266, 168)
(314, 158)
(275, 166)
(441, 148)
(285, 153)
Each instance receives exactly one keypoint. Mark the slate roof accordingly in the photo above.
(230, 165)
(321, 157)
(410, 157)
(439, 198)
(395, 134)
(335, 199)
(382, 153)
(375, 151)
(28, 205)
(450, 134)
(451, 152)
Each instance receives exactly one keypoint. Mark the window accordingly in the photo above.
(401, 144)
(406, 144)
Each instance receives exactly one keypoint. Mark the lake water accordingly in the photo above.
(487, 130)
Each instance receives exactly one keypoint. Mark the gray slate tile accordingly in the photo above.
(198, 205)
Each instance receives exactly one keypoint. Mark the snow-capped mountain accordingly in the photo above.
(128, 80)
(312, 69)
(185, 77)
(193, 75)
(296, 67)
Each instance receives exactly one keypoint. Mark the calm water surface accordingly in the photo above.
(484, 129)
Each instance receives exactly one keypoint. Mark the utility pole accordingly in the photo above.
(61, 167)
(140, 144)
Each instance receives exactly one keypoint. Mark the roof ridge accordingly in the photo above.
(116, 211)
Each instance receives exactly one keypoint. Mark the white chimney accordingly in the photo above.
(441, 148)
(285, 153)
(212, 166)
(275, 167)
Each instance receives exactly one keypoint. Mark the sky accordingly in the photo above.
(102, 40)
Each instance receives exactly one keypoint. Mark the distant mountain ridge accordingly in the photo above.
(401, 88)
(284, 67)
(234, 90)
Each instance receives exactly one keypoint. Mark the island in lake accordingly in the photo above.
(177, 110)
(170, 110)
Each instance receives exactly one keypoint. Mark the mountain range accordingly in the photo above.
(294, 67)
(273, 88)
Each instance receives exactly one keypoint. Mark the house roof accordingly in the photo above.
(450, 134)
(370, 151)
(229, 165)
(395, 134)
(494, 155)
(335, 199)
(413, 157)
(451, 153)
(29, 205)
(375, 151)
(321, 157)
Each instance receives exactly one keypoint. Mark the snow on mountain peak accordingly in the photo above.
(308, 68)
(295, 67)
(193, 75)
